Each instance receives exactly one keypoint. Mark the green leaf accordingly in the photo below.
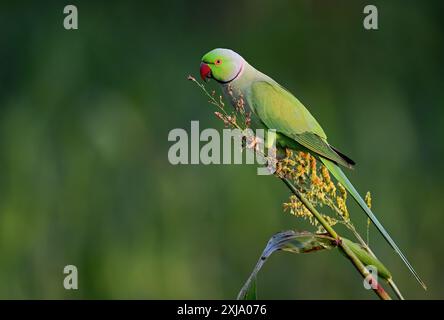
(367, 259)
(290, 241)
(305, 242)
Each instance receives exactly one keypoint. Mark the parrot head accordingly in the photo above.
(223, 65)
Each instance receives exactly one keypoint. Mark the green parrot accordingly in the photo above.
(276, 108)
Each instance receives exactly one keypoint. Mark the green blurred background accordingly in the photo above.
(84, 120)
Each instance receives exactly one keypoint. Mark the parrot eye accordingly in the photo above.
(217, 62)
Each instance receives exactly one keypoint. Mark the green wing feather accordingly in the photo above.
(278, 109)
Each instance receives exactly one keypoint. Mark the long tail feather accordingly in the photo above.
(342, 178)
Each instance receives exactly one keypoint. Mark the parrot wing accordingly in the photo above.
(278, 109)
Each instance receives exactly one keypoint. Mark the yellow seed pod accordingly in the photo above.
(368, 199)
(325, 175)
(288, 153)
(342, 190)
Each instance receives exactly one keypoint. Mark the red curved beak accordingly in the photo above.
(205, 71)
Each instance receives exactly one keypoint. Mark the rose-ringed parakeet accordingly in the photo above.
(276, 108)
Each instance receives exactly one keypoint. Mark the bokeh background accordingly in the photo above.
(84, 121)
